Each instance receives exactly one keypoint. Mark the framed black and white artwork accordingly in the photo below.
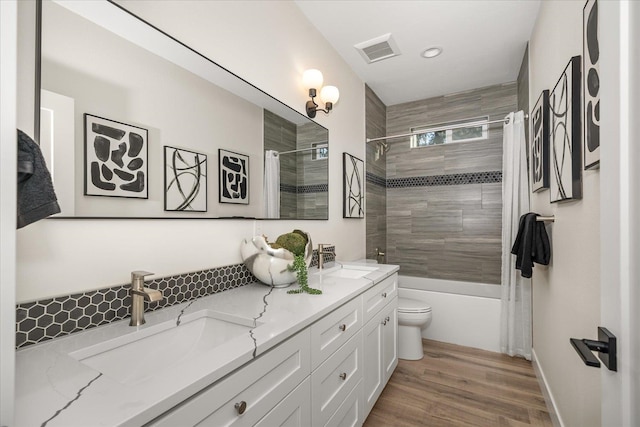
(234, 177)
(185, 180)
(353, 186)
(565, 131)
(539, 155)
(591, 85)
(115, 157)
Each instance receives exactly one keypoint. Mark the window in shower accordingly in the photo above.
(445, 133)
(320, 151)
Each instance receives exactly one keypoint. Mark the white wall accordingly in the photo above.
(8, 60)
(268, 44)
(137, 87)
(566, 295)
(466, 320)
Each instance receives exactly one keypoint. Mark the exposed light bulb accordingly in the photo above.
(312, 79)
(330, 94)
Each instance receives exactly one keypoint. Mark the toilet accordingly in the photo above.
(413, 315)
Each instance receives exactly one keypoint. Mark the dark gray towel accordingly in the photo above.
(36, 197)
(531, 245)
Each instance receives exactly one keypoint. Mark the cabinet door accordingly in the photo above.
(349, 414)
(389, 340)
(247, 395)
(293, 411)
(373, 381)
(332, 331)
(378, 296)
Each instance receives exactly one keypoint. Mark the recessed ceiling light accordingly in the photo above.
(432, 52)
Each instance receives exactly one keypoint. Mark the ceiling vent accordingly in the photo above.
(378, 48)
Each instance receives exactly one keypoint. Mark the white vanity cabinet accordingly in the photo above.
(293, 411)
(380, 339)
(247, 395)
(328, 375)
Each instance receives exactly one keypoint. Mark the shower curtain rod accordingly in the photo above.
(462, 125)
(304, 149)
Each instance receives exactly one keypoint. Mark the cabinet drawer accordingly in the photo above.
(378, 296)
(260, 384)
(293, 411)
(349, 414)
(333, 330)
(332, 382)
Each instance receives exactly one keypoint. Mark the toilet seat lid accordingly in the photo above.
(406, 305)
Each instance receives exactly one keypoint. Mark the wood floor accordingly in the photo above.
(460, 386)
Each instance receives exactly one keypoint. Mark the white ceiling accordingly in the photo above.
(483, 41)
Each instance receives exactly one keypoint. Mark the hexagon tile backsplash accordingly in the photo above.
(54, 317)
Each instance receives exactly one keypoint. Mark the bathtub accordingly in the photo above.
(464, 313)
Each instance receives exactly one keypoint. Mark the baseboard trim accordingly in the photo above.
(546, 392)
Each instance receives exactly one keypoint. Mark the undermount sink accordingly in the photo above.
(352, 271)
(151, 351)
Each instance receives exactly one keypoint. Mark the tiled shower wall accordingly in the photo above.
(303, 186)
(376, 196)
(280, 135)
(444, 203)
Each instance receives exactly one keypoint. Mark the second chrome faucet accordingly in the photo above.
(139, 294)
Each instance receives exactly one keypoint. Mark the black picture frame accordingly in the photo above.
(115, 158)
(233, 177)
(353, 190)
(539, 147)
(591, 85)
(185, 180)
(565, 131)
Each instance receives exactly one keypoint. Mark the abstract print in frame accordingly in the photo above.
(591, 85)
(565, 131)
(234, 177)
(539, 155)
(353, 186)
(115, 158)
(185, 180)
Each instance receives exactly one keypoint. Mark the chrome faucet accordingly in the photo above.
(140, 293)
(380, 256)
(322, 253)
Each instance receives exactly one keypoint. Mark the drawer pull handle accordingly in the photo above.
(343, 376)
(384, 295)
(384, 322)
(387, 318)
(343, 327)
(241, 407)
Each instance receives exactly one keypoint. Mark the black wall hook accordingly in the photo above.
(605, 346)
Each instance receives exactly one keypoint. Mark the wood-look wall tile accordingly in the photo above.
(492, 195)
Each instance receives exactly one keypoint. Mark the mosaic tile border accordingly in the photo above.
(50, 318)
(376, 180)
(304, 189)
(436, 180)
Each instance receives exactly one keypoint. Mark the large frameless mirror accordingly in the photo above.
(136, 124)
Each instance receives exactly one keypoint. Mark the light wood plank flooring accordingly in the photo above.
(461, 386)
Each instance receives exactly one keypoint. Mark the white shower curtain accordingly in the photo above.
(271, 184)
(515, 321)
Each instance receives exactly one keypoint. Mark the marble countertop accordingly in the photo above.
(55, 389)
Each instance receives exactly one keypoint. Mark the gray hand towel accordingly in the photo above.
(36, 197)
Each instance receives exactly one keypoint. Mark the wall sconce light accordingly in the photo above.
(312, 80)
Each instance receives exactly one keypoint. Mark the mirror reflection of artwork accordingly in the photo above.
(115, 159)
(185, 180)
(353, 183)
(539, 157)
(591, 86)
(234, 177)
